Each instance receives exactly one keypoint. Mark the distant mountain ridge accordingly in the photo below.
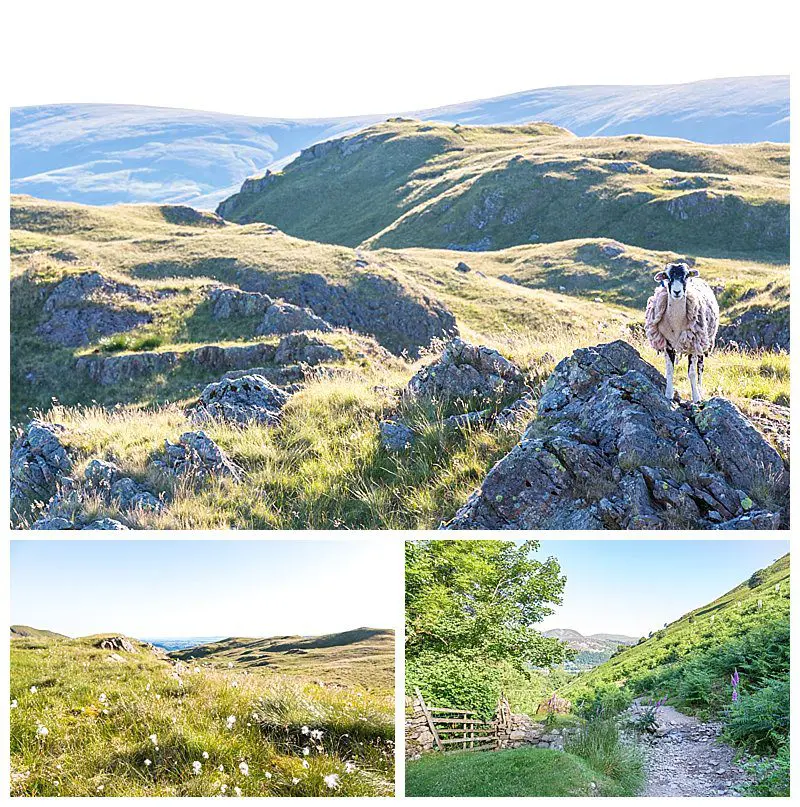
(595, 641)
(111, 153)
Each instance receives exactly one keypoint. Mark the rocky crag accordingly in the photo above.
(608, 451)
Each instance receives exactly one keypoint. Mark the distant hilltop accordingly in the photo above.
(596, 642)
(109, 153)
(27, 632)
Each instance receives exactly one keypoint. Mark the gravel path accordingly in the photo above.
(686, 758)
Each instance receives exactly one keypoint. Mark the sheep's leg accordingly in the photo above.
(693, 378)
(669, 357)
(700, 362)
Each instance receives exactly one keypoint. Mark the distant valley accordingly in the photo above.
(591, 650)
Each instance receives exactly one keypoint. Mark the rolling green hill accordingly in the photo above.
(406, 183)
(86, 721)
(140, 281)
(26, 632)
(364, 654)
(691, 660)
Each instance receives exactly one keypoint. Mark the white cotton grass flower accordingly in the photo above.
(267, 775)
(306, 751)
(147, 688)
(305, 730)
(221, 769)
(148, 763)
(332, 781)
(256, 717)
(295, 780)
(316, 734)
(223, 788)
(230, 665)
(103, 697)
(34, 690)
(154, 739)
(349, 767)
(42, 731)
(14, 704)
(230, 721)
(234, 684)
(101, 788)
(197, 767)
(244, 768)
(237, 791)
(205, 755)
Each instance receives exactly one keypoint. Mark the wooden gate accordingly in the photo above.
(458, 729)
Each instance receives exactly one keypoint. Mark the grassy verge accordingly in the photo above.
(521, 772)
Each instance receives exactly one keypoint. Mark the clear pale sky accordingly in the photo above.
(318, 59)
(154, 588)
(633, 587)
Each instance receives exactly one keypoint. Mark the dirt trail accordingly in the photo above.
(685, 758)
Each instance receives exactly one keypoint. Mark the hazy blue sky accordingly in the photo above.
(154, 588)
(633, 587)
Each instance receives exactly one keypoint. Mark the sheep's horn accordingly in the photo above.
(694, 273)
(659, 276)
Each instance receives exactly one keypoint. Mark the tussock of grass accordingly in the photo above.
(98, 746)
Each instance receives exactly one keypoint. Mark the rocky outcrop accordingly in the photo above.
(376, 305)
(609, 451)
(300, 348)
(758, 328)
(196, 455)
(84, 307)
(467, 373)
(39, 463)
(117, 643)
(245, 400)
(111, 370)
(229, 302)
(395, 437)
(283, 318)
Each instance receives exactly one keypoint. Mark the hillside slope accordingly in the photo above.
(62, 151)
(26, 632)
(364, 654)
(590, 650)
(746, 628)
(406, 183)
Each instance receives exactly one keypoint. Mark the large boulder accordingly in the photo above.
(196, 455)
(299, 348)
(609, 451)
(287, 318)
(39, 463)
(244, 400)
(230, 302)
(112, 370)
(468, 373)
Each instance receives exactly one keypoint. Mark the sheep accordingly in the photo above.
(682, 316)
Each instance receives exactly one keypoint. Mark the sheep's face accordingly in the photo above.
(674, 279)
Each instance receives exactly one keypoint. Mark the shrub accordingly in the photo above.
(696, 686)
(455, 681)
(598, 742)
(771, 774)
(760, 721)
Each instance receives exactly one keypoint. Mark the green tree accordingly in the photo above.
(481, 599)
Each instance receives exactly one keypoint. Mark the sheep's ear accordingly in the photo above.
(694, 273)
(660, 276)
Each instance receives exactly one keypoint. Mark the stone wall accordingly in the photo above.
(419, 738)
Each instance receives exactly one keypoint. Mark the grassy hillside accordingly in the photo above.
(26, 632)
(365, 655)
(86, 722)
(323, 466)
(407, 183)
(691, 660)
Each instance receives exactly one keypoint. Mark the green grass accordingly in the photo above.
(406, 183)
(363, 657)
(521, 772)
(100, 716)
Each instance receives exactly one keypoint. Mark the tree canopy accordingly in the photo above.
(483, 599)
